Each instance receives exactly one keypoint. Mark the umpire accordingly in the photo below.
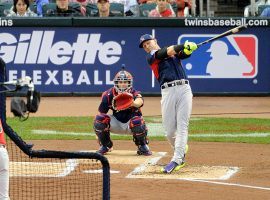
(176, 102)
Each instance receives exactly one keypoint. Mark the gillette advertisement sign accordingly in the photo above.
(85, 60)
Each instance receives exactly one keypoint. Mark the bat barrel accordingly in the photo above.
(229, 32)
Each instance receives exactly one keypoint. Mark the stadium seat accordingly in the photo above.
(48, 8)
(91, 9)
(33, 7)
(146, 8)
(117, 9)
(258, 3)
(4, 9)
(174, 7)
(261, 8)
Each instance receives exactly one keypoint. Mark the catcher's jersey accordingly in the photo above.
(168, 69)
(124, 115)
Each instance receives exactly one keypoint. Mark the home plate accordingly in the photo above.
(187, 172)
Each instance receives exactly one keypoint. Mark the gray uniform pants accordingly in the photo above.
(4, 173)
(176, 107)
(119, 127)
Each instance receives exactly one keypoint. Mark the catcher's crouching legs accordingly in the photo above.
(139, 131)
(102, 129)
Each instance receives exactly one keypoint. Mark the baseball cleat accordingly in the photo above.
(103, 150)
(172, 166)
(144, 150)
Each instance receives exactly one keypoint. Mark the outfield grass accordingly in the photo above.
(81, 128)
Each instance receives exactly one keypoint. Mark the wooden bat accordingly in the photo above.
(229, 32)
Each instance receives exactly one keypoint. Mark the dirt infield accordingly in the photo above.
(252, 159)
(251, 181)
(257, 107)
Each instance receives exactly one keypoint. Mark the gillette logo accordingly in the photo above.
(39, 47)
(234, 56)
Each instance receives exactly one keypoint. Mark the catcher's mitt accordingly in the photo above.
(122, 101)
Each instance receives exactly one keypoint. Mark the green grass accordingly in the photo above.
(197, 126)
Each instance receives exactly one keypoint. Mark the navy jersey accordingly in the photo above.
(168, 69)
(123, 115)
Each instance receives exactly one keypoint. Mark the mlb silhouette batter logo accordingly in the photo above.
(234, 56)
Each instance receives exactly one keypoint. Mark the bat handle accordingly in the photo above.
(199, 45)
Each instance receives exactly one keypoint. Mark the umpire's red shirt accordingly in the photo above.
(2, 137)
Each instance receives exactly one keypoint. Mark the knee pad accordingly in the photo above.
(102, 122)
(102, 129)
(139, 130)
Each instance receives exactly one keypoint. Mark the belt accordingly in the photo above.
(174, 83)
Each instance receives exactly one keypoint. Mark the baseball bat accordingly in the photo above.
(229, 32)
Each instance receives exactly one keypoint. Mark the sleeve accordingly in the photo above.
(104, 105)
(161, 53)
(181, 55)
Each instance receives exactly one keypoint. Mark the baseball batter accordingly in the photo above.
(4, 163)
(176, 102)
(128, 121)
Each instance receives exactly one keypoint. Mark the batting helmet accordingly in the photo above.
(121, 76)
(145, 38)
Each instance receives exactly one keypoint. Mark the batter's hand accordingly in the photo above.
(189, 47)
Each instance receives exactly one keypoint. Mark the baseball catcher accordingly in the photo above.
(126, 118)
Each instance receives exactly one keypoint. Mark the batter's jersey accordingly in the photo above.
(124, 115)
(2, 136)
(168, 69)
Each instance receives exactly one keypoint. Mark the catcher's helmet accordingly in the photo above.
(123, 75)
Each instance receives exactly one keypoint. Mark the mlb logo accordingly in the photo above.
(234, 56)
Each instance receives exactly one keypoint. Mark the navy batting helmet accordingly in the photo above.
(144, 38)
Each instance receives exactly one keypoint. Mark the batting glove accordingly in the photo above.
(189, 47)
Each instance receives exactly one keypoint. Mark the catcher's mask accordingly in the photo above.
(120, 77)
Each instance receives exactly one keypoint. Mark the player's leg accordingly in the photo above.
(182, 108)
(168, 113)
(119, 127)
(4, 174)
(183, 112)
(102, 129)
(139, 130)
(168, 104)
